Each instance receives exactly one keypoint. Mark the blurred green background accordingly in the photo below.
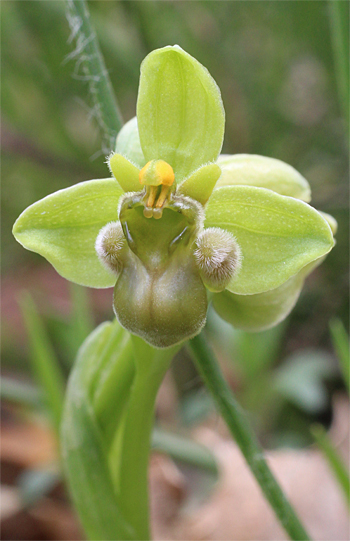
(275, 66)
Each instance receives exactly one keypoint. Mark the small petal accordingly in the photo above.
(125, 172)
(201, 183)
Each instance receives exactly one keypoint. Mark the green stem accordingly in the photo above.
(88, 49)
(239, 427)
(339, 23)
(151, 365)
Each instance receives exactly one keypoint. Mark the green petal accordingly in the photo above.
(179, 111)
(128, 143)
(201, 183)
(278, 235)
(125, 172)
(263, 172)
(63, 228)
(254, 313)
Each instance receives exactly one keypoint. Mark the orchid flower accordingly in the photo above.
(178, 225)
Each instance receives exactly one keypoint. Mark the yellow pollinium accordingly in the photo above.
(154, 174)
(157, 172)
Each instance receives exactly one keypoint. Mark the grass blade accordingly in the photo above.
(44, 363)
(340, 341)
(330, 454)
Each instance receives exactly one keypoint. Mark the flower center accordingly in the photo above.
(158, 177)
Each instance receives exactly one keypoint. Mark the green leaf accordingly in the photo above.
(125, 172)
(263, 172)
(255, 313)
(84, 448)
(63, 228)
(179, 111)
(201, 183)
(128, 143)
(278, 235)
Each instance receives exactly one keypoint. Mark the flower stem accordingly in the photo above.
(90, 58)
(239, 427)
(132, 453)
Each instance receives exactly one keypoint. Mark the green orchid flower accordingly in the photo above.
(178, 224)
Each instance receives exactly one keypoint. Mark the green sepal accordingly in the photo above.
(201, 183)
(63, 228)
(332, 222)
(179, 111)
(255, 313)
(263, 172)
(128, 143)
(126, 173)
(278, 235)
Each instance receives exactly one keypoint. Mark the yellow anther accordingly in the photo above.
(158, 178)
(162, 196)
(157, 172)
(152, 194)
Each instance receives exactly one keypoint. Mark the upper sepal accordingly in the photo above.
(180, 113)
(63, 228)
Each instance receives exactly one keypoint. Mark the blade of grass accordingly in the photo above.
(20, 393)
(183, 450)
(89, 56)
(35, 484)
(81, 320)
(340, 341)
(238, 425)
(44, 363)
(330, 454)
